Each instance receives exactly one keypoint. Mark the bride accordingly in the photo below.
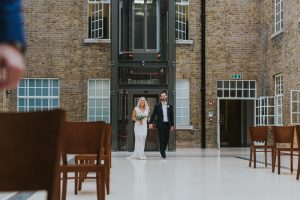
(140, 117)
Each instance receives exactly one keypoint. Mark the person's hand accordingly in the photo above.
(11, 59)
(172, 128)
(150, 126)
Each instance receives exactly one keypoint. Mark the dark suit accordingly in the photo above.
(163, 127)
(11, 25)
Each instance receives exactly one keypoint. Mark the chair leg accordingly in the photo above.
(100, 181)
(254, 152)
(273, 159)
(64, 186)
(278, 162)
(292, 162)
(107, 178)
(266, 158)
(250, 159)
(298, 170)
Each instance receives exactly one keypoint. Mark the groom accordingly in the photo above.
(165, 122)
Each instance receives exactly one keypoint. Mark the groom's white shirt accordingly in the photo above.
(165, 111)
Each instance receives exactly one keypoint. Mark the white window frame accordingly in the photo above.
(279, 99)
(96, 97)
(278, 10)
(234, 91)
(295, 107)
(182, 10)
(187, 97)
(265, 111)
(98, 11)
(27, 97)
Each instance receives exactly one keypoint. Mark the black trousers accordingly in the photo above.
(163, 132)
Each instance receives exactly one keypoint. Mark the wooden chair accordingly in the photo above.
(283, 135)
(298, 140)
(92, 158)
(84, 138)
(259, 135)
(29, 151)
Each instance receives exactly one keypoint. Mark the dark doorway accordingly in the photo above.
(235, 118)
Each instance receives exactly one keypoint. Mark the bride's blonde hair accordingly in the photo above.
(146, 103)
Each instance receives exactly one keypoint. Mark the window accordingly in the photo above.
(99, 100)
(265, 111)
(295, 107)
(99, 19)
(241, 89)
(278, 100)
(278, 15)
(38, 94)
(182, 20)
(182, 103)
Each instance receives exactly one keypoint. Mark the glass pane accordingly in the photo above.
(105, 92)
(45, 102)
(106, 103)
(220, 84)
(45, 92)
(98, 102)
(226, 93)
(91, 102)
(219, 93)
(38, 91)
(38, 102)
(91, 111)
(22, 83)
(54, 83)
(106, 111)
(55, 103)
(240, 84)
(99, 111)
(55, 91)
(31, 82)
(21, 102)
(226, 84)
(31, 102)
(22, 92)
(252, 84)
(246, 84)
(151, 25)
(31, 92)
(38, 83)
(138, 24)
(45, 83)
(239, 93)
(232, 84)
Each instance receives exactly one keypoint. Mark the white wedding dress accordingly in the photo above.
(140, 132)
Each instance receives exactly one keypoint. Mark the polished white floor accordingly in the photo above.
(192, 174)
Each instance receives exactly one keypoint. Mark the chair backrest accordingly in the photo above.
(82, 138)
(258, 134)
(29, 150)
(283, 134)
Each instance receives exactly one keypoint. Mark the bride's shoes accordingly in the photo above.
(143, 158)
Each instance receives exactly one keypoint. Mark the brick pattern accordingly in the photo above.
(238, 42)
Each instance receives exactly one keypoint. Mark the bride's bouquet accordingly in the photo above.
(140, 117)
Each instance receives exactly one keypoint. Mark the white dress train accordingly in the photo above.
(140, 132)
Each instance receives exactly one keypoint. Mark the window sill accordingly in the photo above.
(184, 127)
(87, 40)
(184, 41)
(276, 34)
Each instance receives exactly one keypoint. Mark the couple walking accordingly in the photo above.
(163, 112)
